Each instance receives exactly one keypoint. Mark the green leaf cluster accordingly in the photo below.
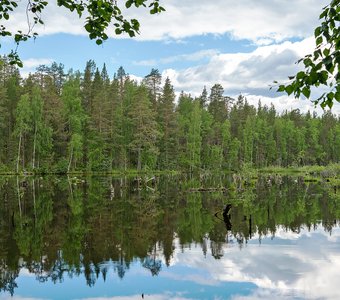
(321, 68)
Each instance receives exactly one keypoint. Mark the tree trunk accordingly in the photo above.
(19, 148)
(34, 147)
(70, 162)
(139, 162)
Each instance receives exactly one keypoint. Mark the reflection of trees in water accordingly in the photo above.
(71, 228)
(120, 267)
(7, 278)
(152, 264)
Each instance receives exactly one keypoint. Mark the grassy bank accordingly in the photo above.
(91, 173)
(331, 170)
(314, 170)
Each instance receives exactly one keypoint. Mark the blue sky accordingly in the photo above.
(243, 45)
(137, 57)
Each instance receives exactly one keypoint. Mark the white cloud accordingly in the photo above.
(262, 22)
(35, 62)
(31, 64)
(259, 21)
(138, 79)
(239, 72)
(250, 74)
(196, 56)
(56, 20)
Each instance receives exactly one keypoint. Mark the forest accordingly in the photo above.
(62, 122)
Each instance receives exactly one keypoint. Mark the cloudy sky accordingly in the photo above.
(244, 45)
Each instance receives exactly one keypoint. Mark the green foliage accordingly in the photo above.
(321, 68)
(194, 137)
(144, 129)
(153, 82)
(83, 123)
(23, 116)
(75, 118)
(61, 166)
(167, 123)
(189, 123)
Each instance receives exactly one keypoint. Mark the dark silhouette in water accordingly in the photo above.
(226, 216)
(227, 219)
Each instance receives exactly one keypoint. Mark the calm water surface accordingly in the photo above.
(120, 238)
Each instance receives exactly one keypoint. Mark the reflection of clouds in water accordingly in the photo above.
(18, 297)
(286, 234)
(330, 236)
(264, 294)
(196, 278)
(307, 268)
(165, 296)
(25, 272)
(300, 265)
(281, 233)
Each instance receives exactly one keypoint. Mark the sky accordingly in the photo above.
(244, 45)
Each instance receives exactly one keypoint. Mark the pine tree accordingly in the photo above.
(116, 128)
(144, 130)
(95, 138)
(218, 105)
(153, 82)
(87, 90)
(87, 99)
(204, 98)
(123, 91)
(56, 71)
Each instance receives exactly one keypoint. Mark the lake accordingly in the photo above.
(169, 237)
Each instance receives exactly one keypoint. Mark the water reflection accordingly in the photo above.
(166, 238)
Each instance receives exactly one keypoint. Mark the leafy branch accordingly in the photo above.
(321, 68)
(101, 14)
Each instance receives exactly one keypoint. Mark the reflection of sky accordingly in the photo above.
(292, 265)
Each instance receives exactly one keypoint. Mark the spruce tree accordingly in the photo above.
(167, 123)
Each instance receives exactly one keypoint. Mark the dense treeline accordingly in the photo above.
(53, 121)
